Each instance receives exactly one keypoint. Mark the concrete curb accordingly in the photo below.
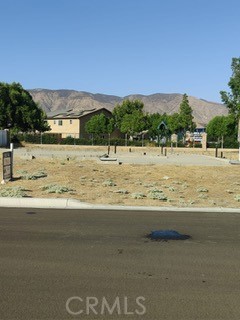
(44, 203)
(60, 203)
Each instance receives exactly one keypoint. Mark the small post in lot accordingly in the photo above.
(7, 166)
(161, 149)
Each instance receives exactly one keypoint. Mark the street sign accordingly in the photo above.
(7, 165)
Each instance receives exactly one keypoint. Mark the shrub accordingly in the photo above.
(34, 176)
(54, 188)
(157, 194)
(138, 195)
(202, 189)
(237, 197)
(16, 192)
(109, 183)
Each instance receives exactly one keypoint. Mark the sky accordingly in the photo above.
(120, 47)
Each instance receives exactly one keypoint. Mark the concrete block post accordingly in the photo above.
(204, 141)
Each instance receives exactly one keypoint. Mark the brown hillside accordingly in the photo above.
(56, 100)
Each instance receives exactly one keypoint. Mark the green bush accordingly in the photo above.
(68, 140)
(231, 142)
(46, 138)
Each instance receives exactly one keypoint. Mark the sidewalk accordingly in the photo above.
(44, 203)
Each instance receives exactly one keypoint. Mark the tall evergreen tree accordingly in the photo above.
(185, 115)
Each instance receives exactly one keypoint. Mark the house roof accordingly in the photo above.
(70, 114)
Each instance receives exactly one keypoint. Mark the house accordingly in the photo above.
(72, 124)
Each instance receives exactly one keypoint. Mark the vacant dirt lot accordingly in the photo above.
(90, 180)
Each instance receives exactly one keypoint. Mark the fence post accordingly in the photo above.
(11, 148)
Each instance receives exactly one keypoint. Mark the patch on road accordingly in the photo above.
(164, 235)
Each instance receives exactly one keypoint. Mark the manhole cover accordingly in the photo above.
(167, 235)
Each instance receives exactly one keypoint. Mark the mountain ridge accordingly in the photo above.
(64, 99)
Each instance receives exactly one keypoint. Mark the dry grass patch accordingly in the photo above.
(132, 184)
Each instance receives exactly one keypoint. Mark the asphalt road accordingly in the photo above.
(57, 263)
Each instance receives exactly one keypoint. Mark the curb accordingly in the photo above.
(60, 203)
(44, 203)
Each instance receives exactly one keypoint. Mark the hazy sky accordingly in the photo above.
(120, 47)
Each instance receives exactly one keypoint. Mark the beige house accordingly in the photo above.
(72, 124)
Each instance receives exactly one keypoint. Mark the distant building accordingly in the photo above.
(72, 124)
(200, 129)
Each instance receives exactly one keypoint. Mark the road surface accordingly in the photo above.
(73, 264)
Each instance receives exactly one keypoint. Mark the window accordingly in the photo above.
(60, 122)
(54, 122)
(70, 121)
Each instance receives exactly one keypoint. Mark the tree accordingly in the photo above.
(127, 107)
(100, 124)
(110, 128)
(174, 124)
(185, 115)
(220, 127)
(97, 125)
(18, 111)
(232, 99)
(185, 118)
(110, 125)
(154, 120)
(132, 123)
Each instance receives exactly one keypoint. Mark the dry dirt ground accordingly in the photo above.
(93, 181)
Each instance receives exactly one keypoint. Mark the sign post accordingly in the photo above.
(7, 166)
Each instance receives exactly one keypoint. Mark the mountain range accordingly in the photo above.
(53, 101)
